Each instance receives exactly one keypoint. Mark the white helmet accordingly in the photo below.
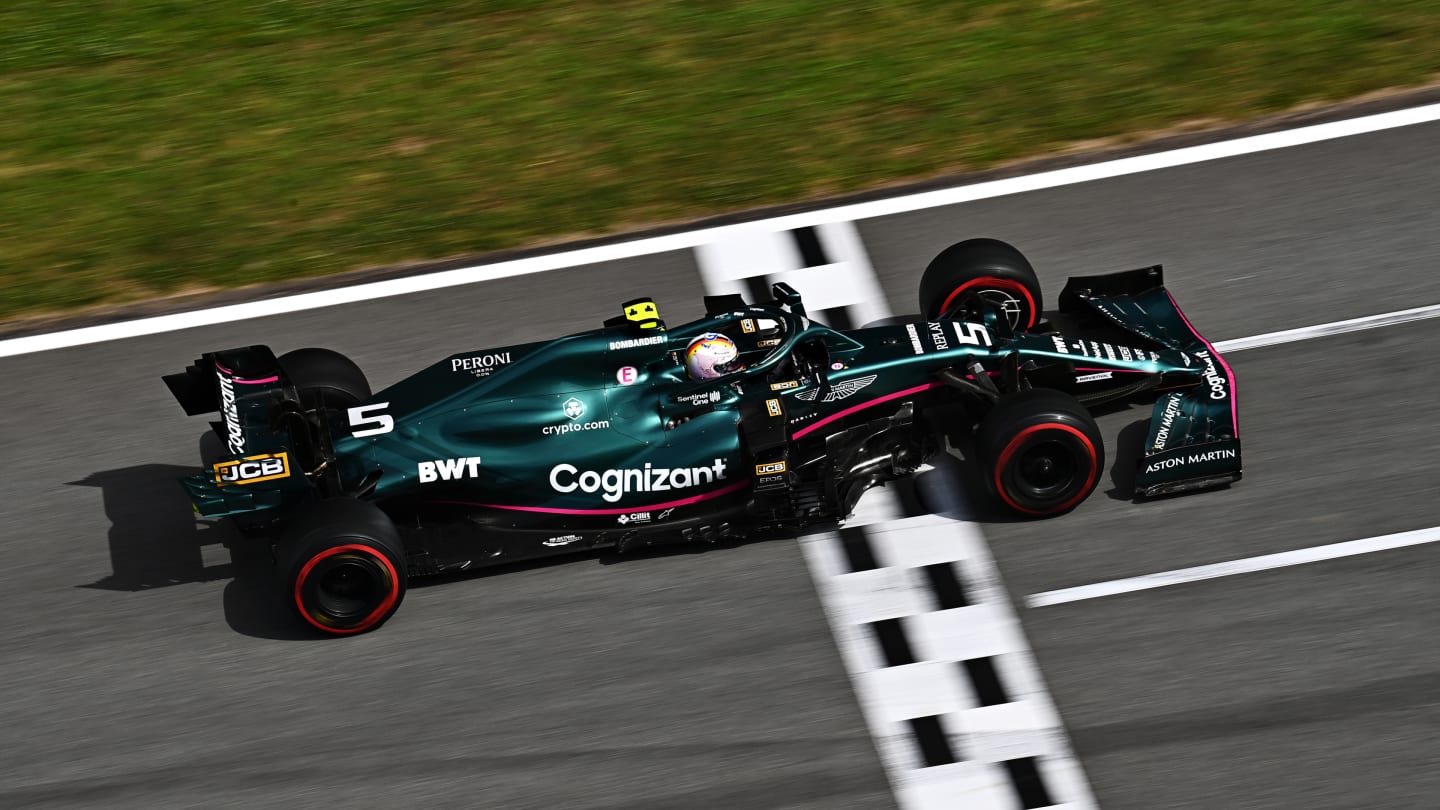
(710, 356)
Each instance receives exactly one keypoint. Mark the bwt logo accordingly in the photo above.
(449, 469)
(252, 469)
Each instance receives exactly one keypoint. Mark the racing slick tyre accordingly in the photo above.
(981, 269)
(1041, 451)
(322, 373)
(343, 565)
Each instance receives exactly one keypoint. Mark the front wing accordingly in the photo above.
(1193, 441)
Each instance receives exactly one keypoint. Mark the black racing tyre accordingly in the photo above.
(1041, 451)
(343, 566)
(976, 269)
(318, 373)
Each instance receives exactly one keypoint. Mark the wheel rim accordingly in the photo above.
(1012, 297)
(347, 589)
(1046, 469)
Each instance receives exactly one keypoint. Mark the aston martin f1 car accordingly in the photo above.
(601, 439)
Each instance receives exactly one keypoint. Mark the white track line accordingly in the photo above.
(691, 239)
(1249, 565)
(1325, 329)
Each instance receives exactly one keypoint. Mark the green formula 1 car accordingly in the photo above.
(607, 439)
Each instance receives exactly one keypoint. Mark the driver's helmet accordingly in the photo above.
(710, 356)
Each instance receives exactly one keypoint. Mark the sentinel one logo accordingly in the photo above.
(615, 484)
(235, 436)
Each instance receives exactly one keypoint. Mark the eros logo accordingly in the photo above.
(252, 469)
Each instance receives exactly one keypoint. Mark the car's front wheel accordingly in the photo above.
(343, 566)
(1042, 452)
(968, 273)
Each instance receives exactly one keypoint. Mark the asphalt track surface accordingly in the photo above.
(149, 661)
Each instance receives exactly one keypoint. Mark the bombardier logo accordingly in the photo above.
(914, 338)
(616, 345)
(840, 390)
(448, 469)
(615, 484)
(252, 469)
(230, 412)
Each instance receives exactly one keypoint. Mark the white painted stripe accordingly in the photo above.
(935, 686)
(1249, 565)
(691, 239)
(1326, 329)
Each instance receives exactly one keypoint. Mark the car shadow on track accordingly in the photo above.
(1125, 459)
(156, 541)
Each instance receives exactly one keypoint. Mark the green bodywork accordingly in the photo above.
(595, 430)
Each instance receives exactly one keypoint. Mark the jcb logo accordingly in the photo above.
(770, 469)
(772, 407)
(252, 469)
(784, 386)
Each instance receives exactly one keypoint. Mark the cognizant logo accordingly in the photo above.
(617, 483)
(571, 427)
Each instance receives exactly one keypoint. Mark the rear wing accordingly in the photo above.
(1194, 437)
(260, 426)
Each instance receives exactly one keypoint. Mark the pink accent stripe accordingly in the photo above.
(239, 381)
(1234, 414)
(1116, 370)
(621, 511)
(853, 408)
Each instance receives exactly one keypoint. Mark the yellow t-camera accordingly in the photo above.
(643, 313)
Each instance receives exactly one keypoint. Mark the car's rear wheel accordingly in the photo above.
(324, 375)
(343, 566)
(1042, 452)
(981, 270)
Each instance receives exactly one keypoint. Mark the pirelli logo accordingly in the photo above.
(772, 407)
(252, 469)
(771, 468)
(784, 386)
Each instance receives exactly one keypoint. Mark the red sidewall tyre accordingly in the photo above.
(1043, 452)
(363, 560)
(962, 275)
(1002, 291)
(343, 564)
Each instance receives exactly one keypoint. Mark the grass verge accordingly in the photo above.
(153, 146)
